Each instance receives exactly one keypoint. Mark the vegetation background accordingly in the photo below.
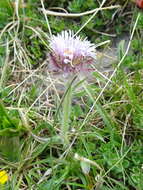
(105, 150)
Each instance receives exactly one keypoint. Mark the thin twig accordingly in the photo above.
(44, 12)
(53, 13)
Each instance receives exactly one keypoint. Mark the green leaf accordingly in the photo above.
(9, 124)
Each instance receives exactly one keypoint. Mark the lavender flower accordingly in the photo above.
(70, 53)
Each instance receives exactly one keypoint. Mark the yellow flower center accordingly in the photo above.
(68, 52)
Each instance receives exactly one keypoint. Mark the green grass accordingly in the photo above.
(104, 123)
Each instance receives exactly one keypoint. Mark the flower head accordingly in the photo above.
(139, 3)
(3, 177)
(70, 53)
